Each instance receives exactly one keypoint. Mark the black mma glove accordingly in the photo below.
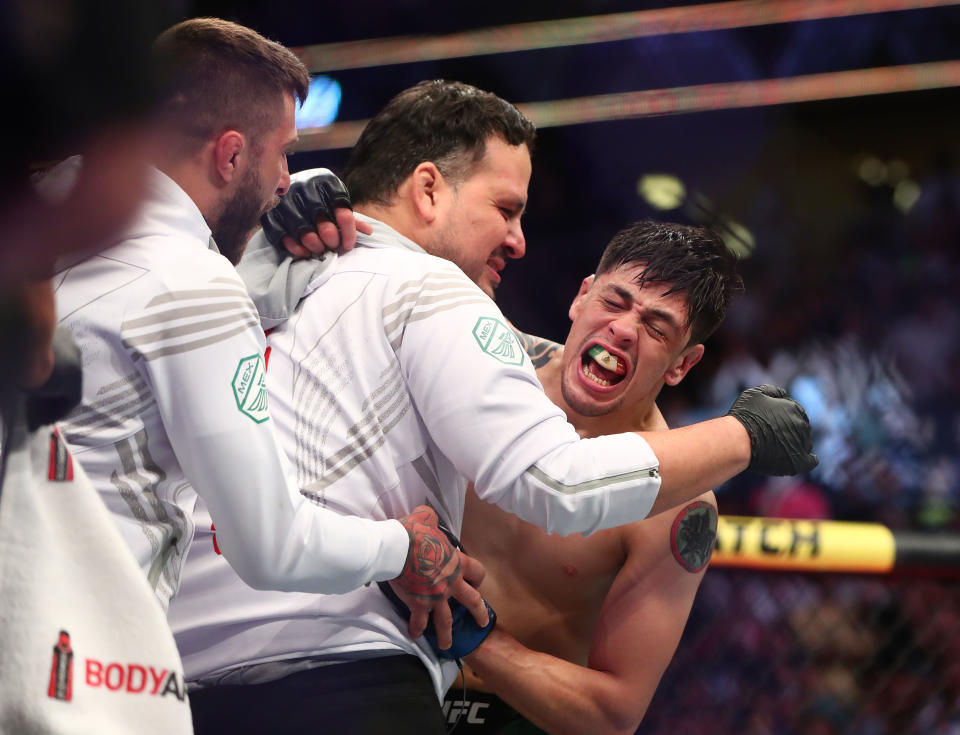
(467, 633)
(780, 439)
(305, 203)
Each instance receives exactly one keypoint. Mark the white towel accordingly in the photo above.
(84, 645)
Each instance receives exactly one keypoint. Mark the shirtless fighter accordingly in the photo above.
(561, 653)
(589, 624)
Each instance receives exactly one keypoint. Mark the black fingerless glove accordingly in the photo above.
(306, 202)
(780, 438)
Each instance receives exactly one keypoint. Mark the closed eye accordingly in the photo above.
(509, 207)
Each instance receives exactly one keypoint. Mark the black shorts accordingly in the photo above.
(376, 695)
(477, 713)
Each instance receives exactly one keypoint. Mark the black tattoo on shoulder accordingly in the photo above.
(693, 534)
(539, 349)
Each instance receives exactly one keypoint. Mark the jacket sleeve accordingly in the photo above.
(275, 280)
(200, 347)
(484, 407)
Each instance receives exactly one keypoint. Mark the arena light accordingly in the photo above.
(322, 104)
(699, 98)
(905, 194)
(872, 171)
(738, 238)
(592, 29)
(661, 191)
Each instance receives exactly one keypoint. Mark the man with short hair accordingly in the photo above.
(403, 387)
(587, 625)
(174, 410)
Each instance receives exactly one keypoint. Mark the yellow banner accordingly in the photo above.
(789, 544)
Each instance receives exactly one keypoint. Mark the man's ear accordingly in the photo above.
(427, 187)
(687, 359)
(578, 299)
(228, 154)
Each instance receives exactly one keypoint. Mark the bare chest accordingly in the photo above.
(547, 590)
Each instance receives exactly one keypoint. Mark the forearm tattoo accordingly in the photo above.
(432, 563)
(539, 349)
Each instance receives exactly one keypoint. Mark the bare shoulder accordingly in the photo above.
(540, 350)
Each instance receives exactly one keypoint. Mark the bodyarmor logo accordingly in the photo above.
(61, 670)
(128, 678)
(250, 388)
(498, 340)
(133, 678)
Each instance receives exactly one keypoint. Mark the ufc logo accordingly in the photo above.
(454, 710)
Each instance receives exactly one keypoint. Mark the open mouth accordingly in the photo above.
(492, 268)
(602, 367)
(496, 263)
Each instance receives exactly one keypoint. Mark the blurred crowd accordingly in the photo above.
(868, 342)
(814, 655)
(867, 339)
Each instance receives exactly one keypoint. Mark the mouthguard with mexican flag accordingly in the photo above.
(606, 360)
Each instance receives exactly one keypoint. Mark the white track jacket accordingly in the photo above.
(175, 407)
(395, 382)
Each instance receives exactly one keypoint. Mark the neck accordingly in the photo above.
(641, 415)
(400, 214)
(389, 214)
(190, 174)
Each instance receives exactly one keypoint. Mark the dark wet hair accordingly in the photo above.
(693, 260)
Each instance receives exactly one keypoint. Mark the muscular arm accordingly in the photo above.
(504, 435)
(640, 624)
(692, 457)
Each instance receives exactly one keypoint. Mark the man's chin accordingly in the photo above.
(585, 405)
(591, 408)
(488, 288)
